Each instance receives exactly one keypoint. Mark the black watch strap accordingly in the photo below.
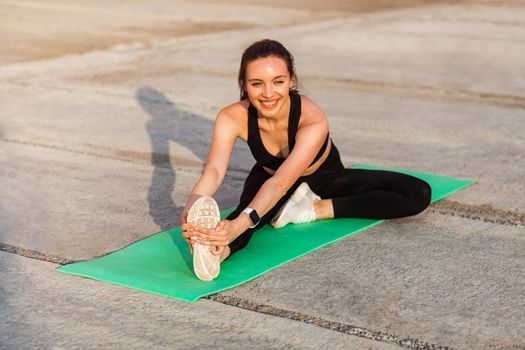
(254, 217)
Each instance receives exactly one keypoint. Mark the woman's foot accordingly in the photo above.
(225, 253)
(205, 213)
(298, 209)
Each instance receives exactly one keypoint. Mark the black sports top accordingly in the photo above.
(261, 155)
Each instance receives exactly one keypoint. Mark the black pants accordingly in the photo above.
(355, 193)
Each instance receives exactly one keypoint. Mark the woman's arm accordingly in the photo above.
(225, 131)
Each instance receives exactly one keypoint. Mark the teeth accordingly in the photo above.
(269, 104)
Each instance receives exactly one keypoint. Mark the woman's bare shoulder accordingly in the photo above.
(234, 118)
(236, 110)
(310, 110)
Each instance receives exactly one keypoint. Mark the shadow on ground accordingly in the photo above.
(12, 305)
(169, 123)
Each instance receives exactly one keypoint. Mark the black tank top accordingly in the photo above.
(261, 155)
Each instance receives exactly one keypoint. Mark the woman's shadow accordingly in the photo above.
(168, 123)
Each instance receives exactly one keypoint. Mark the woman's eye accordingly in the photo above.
(256, 84)
(279, 82)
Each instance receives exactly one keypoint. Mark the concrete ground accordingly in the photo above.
(105, 124)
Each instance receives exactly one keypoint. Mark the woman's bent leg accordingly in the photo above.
(373, 194)
(357, 193)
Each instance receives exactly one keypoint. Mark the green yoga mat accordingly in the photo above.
(162, 264)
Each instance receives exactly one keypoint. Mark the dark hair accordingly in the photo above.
(261, 49)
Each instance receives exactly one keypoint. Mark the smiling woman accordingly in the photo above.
(298, 176)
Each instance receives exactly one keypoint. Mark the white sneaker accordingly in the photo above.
(304, 191)
(298, 209)
(205, 213)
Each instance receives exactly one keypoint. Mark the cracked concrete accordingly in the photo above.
(46, 310)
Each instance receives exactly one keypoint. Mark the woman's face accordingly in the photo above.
(268, 84)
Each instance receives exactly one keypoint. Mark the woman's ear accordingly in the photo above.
(292, 82)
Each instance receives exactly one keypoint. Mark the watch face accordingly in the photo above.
(254, 217)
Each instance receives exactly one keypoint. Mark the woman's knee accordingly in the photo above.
(420, 195)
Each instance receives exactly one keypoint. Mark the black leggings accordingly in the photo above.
(355, 193)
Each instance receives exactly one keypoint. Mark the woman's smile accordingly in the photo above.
(269, 104)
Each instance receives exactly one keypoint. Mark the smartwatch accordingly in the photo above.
(254, 217)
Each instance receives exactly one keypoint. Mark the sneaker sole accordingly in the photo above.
(279, 220)
(205, 213)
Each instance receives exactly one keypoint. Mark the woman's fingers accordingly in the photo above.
(184, 217)
(210, 237)
(221, 225)
(187, 227)
(192, 229)
(188, 234)
(213, 243)
(216, 250)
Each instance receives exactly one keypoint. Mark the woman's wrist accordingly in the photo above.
(192, 197)
(241, 223)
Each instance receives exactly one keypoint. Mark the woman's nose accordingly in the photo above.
(268, 90)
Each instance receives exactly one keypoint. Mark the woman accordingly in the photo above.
(297, 163)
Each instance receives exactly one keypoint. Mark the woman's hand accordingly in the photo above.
(184, 216)
(224, 233)
(188, 233)
(218, 240)
(187, 228)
